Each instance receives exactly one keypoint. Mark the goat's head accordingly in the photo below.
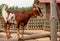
(37, 10)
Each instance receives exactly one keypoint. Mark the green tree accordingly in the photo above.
(1, 6)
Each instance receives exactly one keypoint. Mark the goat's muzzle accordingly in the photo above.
(41, 15)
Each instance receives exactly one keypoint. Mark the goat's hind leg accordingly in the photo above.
(5, 27)
(18, 31)
(8, 28)
(22, 34)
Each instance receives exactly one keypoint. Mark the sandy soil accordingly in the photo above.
(14, 35)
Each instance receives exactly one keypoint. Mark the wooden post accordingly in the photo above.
(53, 17)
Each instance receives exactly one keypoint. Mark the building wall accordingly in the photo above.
(47, 22)
(58, 6)
(47, 11)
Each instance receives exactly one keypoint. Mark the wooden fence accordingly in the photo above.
(34, 24)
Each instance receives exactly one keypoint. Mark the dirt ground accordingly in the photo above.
(14, 35)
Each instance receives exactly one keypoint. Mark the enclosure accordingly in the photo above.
(37, 28)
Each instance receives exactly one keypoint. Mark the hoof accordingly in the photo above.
(8, 37)
(20, 39)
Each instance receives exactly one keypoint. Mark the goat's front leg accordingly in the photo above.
(8, 30)
(18, 31)
(22, 32)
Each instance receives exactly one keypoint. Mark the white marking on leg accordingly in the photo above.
(11, 18)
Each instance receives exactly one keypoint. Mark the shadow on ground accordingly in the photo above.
(20, 39)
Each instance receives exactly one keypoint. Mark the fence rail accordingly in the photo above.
(34, 23)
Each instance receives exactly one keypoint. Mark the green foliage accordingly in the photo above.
(1, 9)
(23, 8)
(1, 6)
(26, 8)
(14, 8)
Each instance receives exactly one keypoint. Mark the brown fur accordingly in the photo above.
(22, 18)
